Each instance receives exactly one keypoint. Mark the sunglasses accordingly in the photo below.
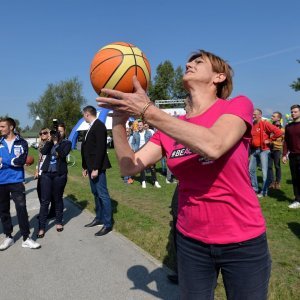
(43, 132)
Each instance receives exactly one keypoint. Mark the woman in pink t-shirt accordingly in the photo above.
(220, 225)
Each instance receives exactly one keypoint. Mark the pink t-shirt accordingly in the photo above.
(216, 204)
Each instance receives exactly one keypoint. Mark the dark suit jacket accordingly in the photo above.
(62, 151)
(94, 148)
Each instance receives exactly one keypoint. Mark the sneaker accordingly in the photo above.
(7, 242)
(295, 204)
(144, 184)
(29, 243)
(157, 184)
(167, 181)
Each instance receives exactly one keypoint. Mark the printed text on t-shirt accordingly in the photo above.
(181, 152)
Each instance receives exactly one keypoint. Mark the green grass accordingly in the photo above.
(143, 216)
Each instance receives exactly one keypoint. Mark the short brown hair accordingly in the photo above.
(9, 121)
(295, 106)
(219, 65)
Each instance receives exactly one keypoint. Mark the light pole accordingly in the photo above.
(37, 119)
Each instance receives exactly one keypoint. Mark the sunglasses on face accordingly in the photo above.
(43, 132)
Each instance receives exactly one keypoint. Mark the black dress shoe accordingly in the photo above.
(173, 278)
(103, 231)
(95, 222)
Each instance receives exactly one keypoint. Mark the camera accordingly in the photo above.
(54, 131)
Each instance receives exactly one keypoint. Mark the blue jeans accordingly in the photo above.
(245, 269)
(102, 199)
(262, 156)
(163, 165)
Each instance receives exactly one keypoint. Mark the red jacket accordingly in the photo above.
(269, 132)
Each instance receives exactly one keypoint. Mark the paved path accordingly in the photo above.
(74, 264)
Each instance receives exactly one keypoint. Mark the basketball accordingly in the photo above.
(29, 160)
(115, 64)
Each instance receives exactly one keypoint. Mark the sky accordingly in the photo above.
(46, 42)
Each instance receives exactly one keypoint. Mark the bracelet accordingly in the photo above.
(142, 115)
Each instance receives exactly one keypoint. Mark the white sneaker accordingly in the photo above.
(167, 181)
(144, 184)
(260, 195)
(157, 184)
(7, 242)
(29, 243)
(295, 204)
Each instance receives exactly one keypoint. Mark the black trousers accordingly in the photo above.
(52, 186)
(38, 188)
(274, 158)
(174, 211)
(295, 173)
(153, 174)
(16, 191)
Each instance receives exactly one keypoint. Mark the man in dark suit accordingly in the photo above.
(94, 164)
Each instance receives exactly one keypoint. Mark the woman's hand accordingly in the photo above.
(129, 104)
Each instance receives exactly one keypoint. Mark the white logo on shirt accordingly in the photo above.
(181, 153)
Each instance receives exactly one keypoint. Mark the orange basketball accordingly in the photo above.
(115, 64)
(29, 160)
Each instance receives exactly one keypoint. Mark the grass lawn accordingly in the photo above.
(143, 216)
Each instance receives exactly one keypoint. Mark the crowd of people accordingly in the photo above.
(271, 144)
(220, 227)
(138, 134)
(51, 175)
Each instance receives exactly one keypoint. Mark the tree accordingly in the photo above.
(296, 84)
(167, 83)
(62, 101)
(178, 90)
